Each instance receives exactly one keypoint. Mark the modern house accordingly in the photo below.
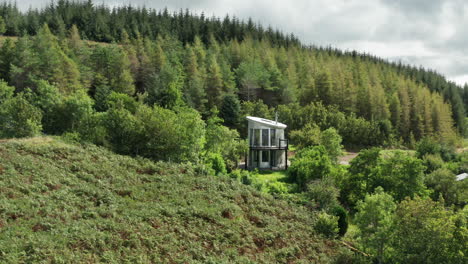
(268, 148)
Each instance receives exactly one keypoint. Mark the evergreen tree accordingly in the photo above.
(2, 26)
(230, 110)
(214, 82)
(194, 91)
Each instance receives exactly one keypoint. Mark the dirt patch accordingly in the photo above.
(345, 159)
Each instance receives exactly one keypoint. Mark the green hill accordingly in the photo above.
(65, 203)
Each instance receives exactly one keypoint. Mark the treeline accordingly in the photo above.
(104, 24)
(169, 74)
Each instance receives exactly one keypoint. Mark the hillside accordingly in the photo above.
(66, 203)
(187, 60)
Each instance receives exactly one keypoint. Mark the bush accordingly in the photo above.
(327, 225)
(331, 140)
(18, 118)
(323, 193)
(277, 187)
(308, 136)
(216, 163)
(311, 163)
(443, 184)
(432, 162)
(342, 215)
(429, 146)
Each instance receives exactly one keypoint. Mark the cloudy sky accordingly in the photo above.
(431, 33)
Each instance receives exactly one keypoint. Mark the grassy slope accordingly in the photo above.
(67, 203)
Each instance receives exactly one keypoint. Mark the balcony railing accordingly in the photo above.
(282, 144)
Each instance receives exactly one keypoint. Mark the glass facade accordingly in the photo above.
(265, 139)
(273, 137)
(256, 137)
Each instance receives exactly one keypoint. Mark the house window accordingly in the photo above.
(256, 137)
(265, 141)
(273, 137)
(251, 136)
(273, 158)
(255, 156)
(265, 156)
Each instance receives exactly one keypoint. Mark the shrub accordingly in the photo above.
(6, 92)
(323, 193)
(18, 118)
(443, 184)
(342, 215)
(311, 163)
(277, 187)
(216, 163)
(427, 146)
(331, 140)
(432, 162)
(327, 225)
(308, 136)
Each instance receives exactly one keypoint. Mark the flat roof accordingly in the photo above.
(266, 122)
(462, 176)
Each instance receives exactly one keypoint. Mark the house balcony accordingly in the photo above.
(281, 145)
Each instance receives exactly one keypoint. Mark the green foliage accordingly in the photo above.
(82, 203)
(251, 76)
(432, 162)
(327, 225)
(222, 140)
(342, 215)
(367, 100)
(323, 193)
(444, 185)
(77, 109)
(426, 232)
(165, 87)
(6, 91)
(309, 135)
(181, 139)
(431, 146)
(123, 131)
(122, 101)
(2, 26)
(216, 163)
(331, 140)
(230, 110)
(278, 187)
(375, 218)
(356, 185)
(112, 65)
(399, 174)
(18, 118)
(48, 99)
(310, 164)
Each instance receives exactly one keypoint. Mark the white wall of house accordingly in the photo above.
(265, 133)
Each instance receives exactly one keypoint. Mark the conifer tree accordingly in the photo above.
(194, 91)
(2, 26)
(214, 82)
